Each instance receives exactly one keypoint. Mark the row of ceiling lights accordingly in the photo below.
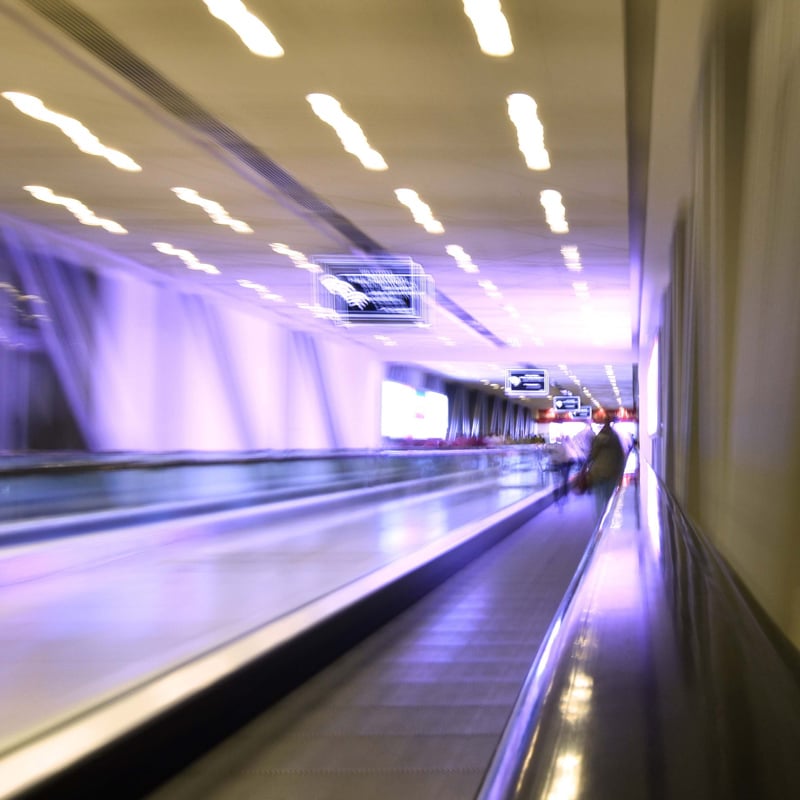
(494, 38)
(521, 108)
(612, 379)
(80, 135)
(486, 16)
(570, 374)
(576, 380)
(88, 143)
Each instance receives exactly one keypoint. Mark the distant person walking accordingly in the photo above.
(562, 459)
(582, 444)
(606, 462)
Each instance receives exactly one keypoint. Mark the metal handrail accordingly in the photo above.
(660, 675)
(121, 485)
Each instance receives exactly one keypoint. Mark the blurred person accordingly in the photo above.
(562, 459)
(605, 465)
(582, 444)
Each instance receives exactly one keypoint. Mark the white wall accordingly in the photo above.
(178, 371)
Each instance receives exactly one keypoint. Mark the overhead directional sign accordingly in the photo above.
(584, 412)
(523, 382)
(566, 402)
(370, 290)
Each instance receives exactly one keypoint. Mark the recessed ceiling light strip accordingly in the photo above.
(297, 258)
(214, 210)
(572, 258)
(329, 110)
(113, 52)
(189, 259)
(555, 213)
(74, 130)
(82, 213)
(490, 289)
(255, 35)
(420, 211)
(262, 291)
(491, 26)
(581, 289)
(530, 132)
(462, 258)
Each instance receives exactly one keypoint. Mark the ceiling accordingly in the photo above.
(176, 90)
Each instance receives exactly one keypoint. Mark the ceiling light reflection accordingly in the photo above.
(566, 780)
(74, 130)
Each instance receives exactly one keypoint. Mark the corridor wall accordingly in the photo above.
(149, 363)
(734, 434)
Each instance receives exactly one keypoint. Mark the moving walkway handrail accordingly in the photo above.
(660, 676)
(120, 488)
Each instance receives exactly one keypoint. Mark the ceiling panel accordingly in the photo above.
(412, 76)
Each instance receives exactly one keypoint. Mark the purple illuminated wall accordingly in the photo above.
(152, 365)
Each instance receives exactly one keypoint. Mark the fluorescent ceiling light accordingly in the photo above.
(214, 210)
(490, 289)
(554, 210)
(329, 110)
(530, 132)
(463, 259)
(262, 291)
(420, 210)
(74, 130)
(298, 259)
(255, 35)
(491, 26)
(189, 259)
(82, 213)
(572, 258)
(581, 289)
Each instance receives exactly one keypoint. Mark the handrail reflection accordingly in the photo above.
(660, 677)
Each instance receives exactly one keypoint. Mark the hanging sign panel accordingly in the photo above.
(584, 412)
(522, 382)
(373, 290)
(566, 402)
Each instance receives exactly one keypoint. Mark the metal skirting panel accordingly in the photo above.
(418, 708)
